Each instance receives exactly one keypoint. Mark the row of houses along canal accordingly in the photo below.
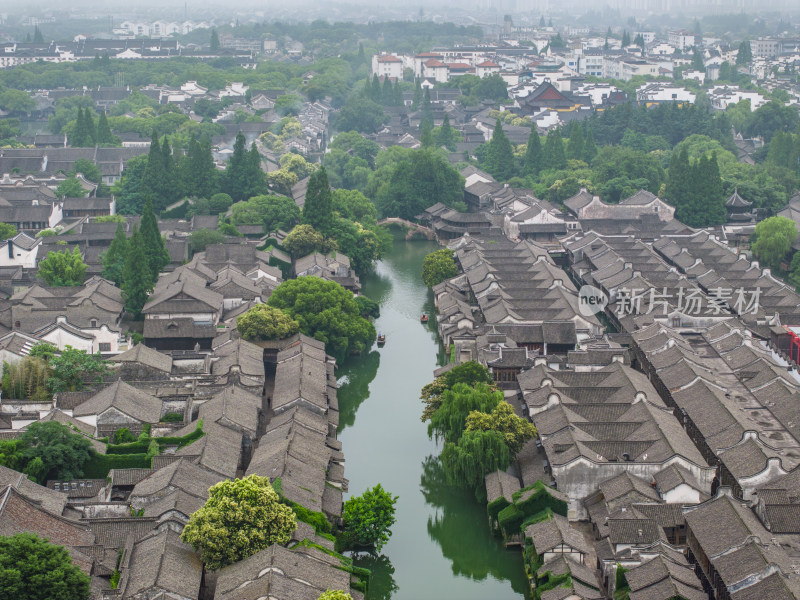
(441, 545)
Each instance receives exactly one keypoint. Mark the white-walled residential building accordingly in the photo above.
(435, 70)
(723, 96)
(20, 251)
(486, 68)
(648, 36)
(662, 49)
(682, 39)
(654, 93)
(387, 65)
(634, 67)
(94, 338)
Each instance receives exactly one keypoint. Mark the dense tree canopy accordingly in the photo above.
(303, 240)
(367, 519)
(240, 518)
(34, 569)
(325, 311)
(318, 207)
(62, 269)
(263, 322)
(273, 212)
(438, 266)
(61, 452)
(72, 369)
(424, 179)
(773, 240)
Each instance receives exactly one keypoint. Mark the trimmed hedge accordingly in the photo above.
(172, 417)
(98, 466)
(143, 445)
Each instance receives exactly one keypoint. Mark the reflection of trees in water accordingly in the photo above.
(460, 527)
(381, 582)
(360, 372)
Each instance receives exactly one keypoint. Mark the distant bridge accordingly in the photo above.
(411, 227)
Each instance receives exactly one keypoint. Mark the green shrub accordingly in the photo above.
(131, 448)
(510, 519)
(172, 417)
(536, 498)
(495, 506)
(98, 466)
(123, 436)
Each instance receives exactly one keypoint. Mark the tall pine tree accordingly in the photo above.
(114, 257)
(679, 190)
(446, 136)
(256, 179)
(155, 250)
(318, 208)
(499, 155)
(104, 135)
(155, 180)
(589, 147)
(532, 162)
(78, 138)
(136, 277)
(575, 145)
(91, 130)
(236, 173)
(554, 156)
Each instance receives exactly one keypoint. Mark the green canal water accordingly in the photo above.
(441, 547)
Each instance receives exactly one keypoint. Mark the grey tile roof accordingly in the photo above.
(125, 398)
(162, 563)
(547, 535)
(280, 573)
(146, 356)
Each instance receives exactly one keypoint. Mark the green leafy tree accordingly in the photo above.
(327, 312)
(214, 42)
(303, 240)
(438, 266)
(318, 207)
(470, 373)
(515, 430)
(424, 178)
(201, 238)
(450, 419)
(43, 350)
(62, 451)
(130, 191)
(446, 136)
(263, 322)
(354, 206)
(240, 518)
(334, 595)
(467, 461)
(499, 159)
(72, 369)
(367, 519)
(71, 188)
(219, 203)
(154, 246)
(273, 212)
(62, 269)
(359, 114)
(137, 279)
(7, 231)
(34, 569)
(88, 169)
(367, 307)
(114, 257)
(745, 54)
(773, 240)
